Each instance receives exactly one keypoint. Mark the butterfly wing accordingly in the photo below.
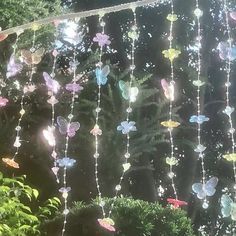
(226, 202)
(26, 56)
(124, 89)
(37, 56)
(233, 53)
(198, 189)
(52, 84)
(168, 89)
(74, 126)
(13, 68)
(210, 185)
(101, 75)
(62, 123)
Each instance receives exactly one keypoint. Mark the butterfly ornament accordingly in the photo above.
(101, 75)
(169, 89)
(128, 93)
(228, 207)
(176, 203)
(13, 68)
(205, 190)
(32, 58)
(67, 128)
(51, 84)
(226, 52)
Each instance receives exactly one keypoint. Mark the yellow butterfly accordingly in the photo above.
(230, 157)
(32, 58)
(170, 124)
(10, 162)
(172, 161)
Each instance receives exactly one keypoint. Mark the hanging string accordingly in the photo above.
(171, 54)
(66, 161)
(229, 110)
(126, 165)
(29, 87)
(96, 131)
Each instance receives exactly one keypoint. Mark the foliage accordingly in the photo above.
(132, 217)
(19, 214)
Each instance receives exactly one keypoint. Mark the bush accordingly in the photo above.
(132, 218)
(19, 211)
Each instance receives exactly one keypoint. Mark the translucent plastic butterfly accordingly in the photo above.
(107, 223)
(128, 93)
(11, 162)
(51, 84)
(208, 189)
(198, 119)
(65, 128)
(13, 68)
(73, 87)
(101, 75)
(3, 101)
(126, 127)
(32, 58)
(176, 203)
(65, 191)
(66, 162)
(225, 52)
(228, 207)
(230, 157)
(169, 89)
(233, 15)
(49, 136)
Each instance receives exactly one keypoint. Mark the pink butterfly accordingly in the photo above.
(52, 100)
(74, 87)
(51, 84)
(169, 89)
(107, 223)
(3, 101)
(29, 88)
(176, 203)
(13, 68)
(66, 128)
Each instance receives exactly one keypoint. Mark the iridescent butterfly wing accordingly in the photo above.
(198, 189)
(73, 127)
(101, 75)
(226, 202)
(37, 56)
(74, 87)
(62, 124)
(209, 187)
(124, 87)
(51, 84)
(13, 68)
(133, 94)
(168, 89)
(26, 56)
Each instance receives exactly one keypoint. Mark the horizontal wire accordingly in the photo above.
(83, 14)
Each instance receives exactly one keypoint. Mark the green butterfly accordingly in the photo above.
(128, 93)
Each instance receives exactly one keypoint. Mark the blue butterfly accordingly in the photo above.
(208, 189)
(126, 127)
(228, 207)
(101, 75)
(198, 119)
(66, 162)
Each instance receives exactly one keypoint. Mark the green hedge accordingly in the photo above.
(132, 218)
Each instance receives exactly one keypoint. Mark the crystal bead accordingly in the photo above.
(171, 175)
(102, 204)
(129, 110)
(118, 187)
(96, 155)
(32, 49)
(102, 23)
(170, 38)
(18, 128)
(132, 67)
(127, 155)
(227, 84)
(232, 130)
(70, 116)
(198, 12)
(205, 205)
(66, 212)
(98, 109)
(22, 112)
(52, 74)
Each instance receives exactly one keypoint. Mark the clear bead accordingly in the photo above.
(118, 187)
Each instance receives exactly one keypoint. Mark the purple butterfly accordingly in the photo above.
(65, 128)
(74, 87)
(13, 68)
(52, 84)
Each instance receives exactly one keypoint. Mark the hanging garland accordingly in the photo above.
(169, 91)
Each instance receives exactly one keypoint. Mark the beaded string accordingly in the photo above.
(52, 98)
(18, 128)
(97, 111)
(70, 117)
(229, 110)
(126, 164)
